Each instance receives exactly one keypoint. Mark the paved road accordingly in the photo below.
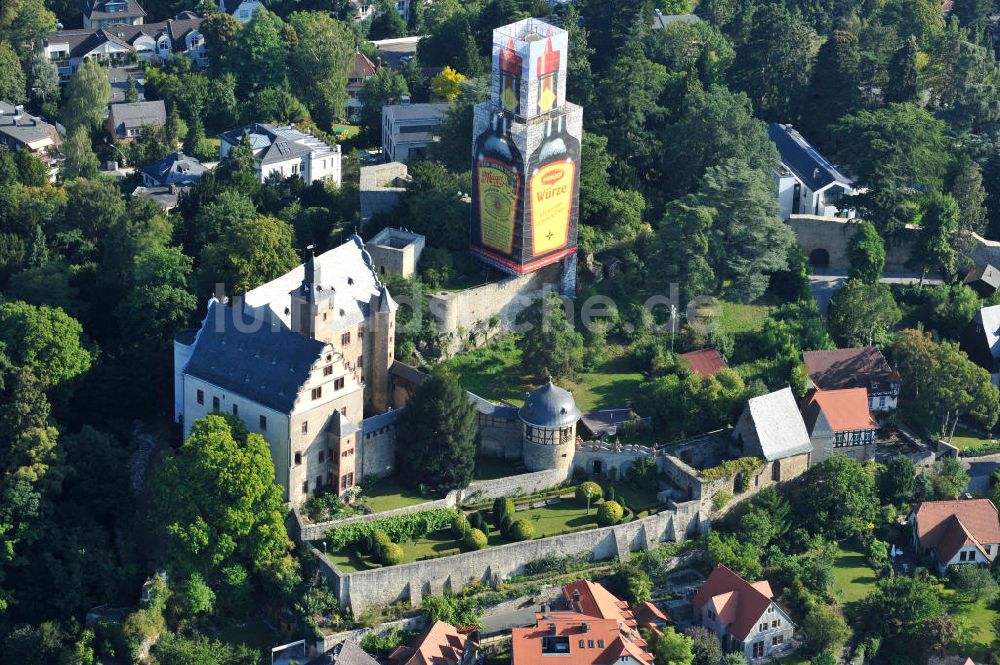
(826, 282)
(979, 469)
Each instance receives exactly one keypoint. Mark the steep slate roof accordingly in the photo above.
(848, 368)
(441, 644)
(948, 525)
(803, 159)
(845, 410)
(176, 168)
(347, 653)
(706, 362)
(138, 114)
(779, 425)
(266, 364)
(381, 420)
(96, 9)
(549, 406)
(990, 319)
(82, 41)
(738, 603)
(362, 70)
(661, 21)
(985, 273)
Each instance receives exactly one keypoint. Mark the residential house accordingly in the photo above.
(440, 644)
(108, 13)
(984, 280)
(242, 10)
(807, 183)
(165, 196)
(840, 423)
(300, 360)
(771, 427)
(407, 130)
(361, 72)
(364, 9)
(285, 151)
(743, 615)
(119, 77)
(981, 340)
(176, 169)
(705, 362)
(866, 367)
(593, 627)
(120, 44)
(345, 653)
(22, 131)
(125, 121)
(650, 617)
(661, 20)
(956, 531)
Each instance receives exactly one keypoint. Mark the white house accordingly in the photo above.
(242, 10)
(807, 183)
(957, 531)
(407, 130)
(105, 13)
(285, 151)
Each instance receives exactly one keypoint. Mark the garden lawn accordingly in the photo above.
(967, 439)
(736, 318)
(495, 372)
(387, 494)
(853, 579)
(637, 499)
(350, 131)
(977, 635)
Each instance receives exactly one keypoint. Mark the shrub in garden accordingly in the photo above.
(474, 539)
(591, 488)
(505, 524)
(521, 530)
(476, 520)
(610, 512)
(379, 540)
(502, 507)
(391, 554)
(459, 525)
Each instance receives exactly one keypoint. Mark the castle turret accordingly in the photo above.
(548, 427)
(382, 314)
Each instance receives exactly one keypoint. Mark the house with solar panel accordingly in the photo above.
(286, 151)
(807, 183)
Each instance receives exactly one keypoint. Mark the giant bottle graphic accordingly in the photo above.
(497, 182)
(552, 188)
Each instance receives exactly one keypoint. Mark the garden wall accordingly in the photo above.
(618, 458)
(412, 581)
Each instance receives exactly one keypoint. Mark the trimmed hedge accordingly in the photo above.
(391, 554)
(459, 525)
(610, 512)
(397, 528)
(980, 450)
(475, 539)
(596, 493)
(521, 530)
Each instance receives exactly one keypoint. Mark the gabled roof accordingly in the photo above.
(347, 653)
(989, 319)
(98, 9)
(603, 641)
(948, 525)
(175, 169)
(848, 368)
(845, 410)
(803, 159)
(441, 644)
(779, 425)
(648, 615)
(30, 130)
(272, 144)
(262, 362)
(706, 362)
(661, 21)
(137, 114)
(740, 602)
(596, 601)
(984, 273)
(363, 69)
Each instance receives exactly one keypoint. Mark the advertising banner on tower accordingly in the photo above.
(529, 67)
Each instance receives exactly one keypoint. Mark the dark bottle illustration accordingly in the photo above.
(497, 183)
(552, 187)
(510, 64)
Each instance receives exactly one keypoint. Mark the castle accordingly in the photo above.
(306, 361)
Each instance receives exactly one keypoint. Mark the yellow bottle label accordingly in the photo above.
(498, 192)
(546, 95)
(508, 97)
(551, 204)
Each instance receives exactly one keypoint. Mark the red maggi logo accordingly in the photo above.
(552, 177)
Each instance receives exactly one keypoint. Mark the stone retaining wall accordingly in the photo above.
(382, 586)
(416, 623)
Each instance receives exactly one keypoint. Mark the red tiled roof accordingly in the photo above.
(705, 362)
(596, 601)
(738, 603)
(845, 410)
(609, 643)
(441, 644)
(363, 67)
(948, 525)
(647, 614)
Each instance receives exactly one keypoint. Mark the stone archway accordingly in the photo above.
(819, 258)
(597, 468)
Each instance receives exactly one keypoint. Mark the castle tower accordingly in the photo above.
(526, 153)
(382, 319)
(548, 428)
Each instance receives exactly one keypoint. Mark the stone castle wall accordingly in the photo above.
(411, 582)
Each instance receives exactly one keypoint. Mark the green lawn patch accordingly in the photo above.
(977, 636)
(349, 131)
(735, 318)
(965, 438)
(793, 659)
(495, 372)
(637, 499)
(853, 578)
(387, 494)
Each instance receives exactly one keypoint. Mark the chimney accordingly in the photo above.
(552, 629)
(545, 610)
(585, 627)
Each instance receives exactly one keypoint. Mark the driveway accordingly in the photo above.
(980, 469)
(826, 282)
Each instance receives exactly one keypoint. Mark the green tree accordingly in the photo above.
(249, 253)
(949, 479)
(198, 596)
(80, 162)
(834, 87)
(86, 97)
(896, 482)
(744, 559)
(387, 22)
(132, 92)
(749, 239)
(45, 340)
(43, 80)
(900, 610)
(866, 253)
(685, 235)
(631, 584)
(735, 658)
(970, 195)
(221, 32)
(972, 12)
(671, 647)
(12, 78)
(705, 646)
(862, 314)
(386, 87)
(437, 435)
(825, 629)
(195, 138)
(259, 56)
(842, 498)
(172, 649)
(551, 347)
(902, 79)
(217, 498)
(976, 583)
(774, 60)
(321, 58)
(935, 245)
